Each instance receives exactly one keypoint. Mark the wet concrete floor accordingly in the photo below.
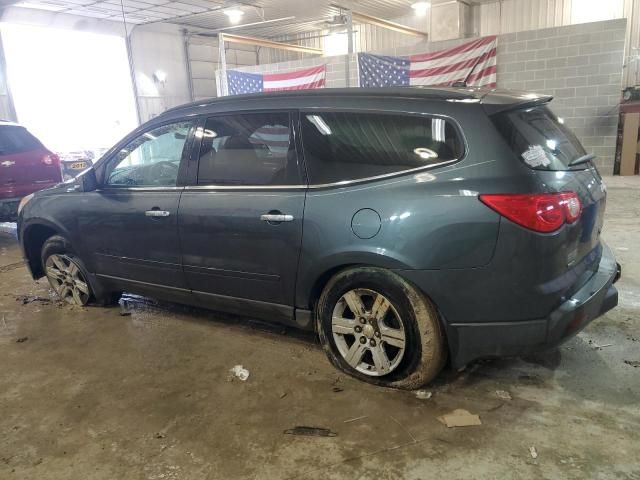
(88, 394)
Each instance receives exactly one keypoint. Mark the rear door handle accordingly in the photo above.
(157, 213)
(276, 217)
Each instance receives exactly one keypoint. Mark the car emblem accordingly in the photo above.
(7, 163)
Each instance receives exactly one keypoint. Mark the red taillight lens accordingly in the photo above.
(572, 206)
(541, 212)
(51, 159)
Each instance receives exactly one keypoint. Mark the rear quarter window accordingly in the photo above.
(539, 138)
(14, 139)
(343, 146)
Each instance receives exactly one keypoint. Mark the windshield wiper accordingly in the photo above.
(583, 159)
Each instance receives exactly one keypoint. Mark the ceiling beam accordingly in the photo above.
(379, 22)
(253, 24)
(261, 42)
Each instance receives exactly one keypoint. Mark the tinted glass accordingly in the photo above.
(17, 140)
(539, 138)
(349, 146)
(152, 159)
(248, 149)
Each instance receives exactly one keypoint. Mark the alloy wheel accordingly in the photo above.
(368, 332)
(67, 279)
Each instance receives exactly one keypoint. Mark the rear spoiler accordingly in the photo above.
(496, 101)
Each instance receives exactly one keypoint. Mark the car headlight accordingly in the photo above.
(23, 202)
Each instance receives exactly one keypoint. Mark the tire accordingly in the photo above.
(397, 326)
(69, 277)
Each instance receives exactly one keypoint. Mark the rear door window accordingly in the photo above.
(249, 149)
(14, 139)
(539, 138)
(343, 146)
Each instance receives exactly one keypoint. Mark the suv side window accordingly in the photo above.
(150, 160)
(248, 149)
(341, 146)
(14, 139)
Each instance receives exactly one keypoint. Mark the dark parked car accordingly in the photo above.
(404, 225)
(26, 166)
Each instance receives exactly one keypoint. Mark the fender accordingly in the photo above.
(313, 273)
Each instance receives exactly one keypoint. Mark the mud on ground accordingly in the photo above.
(86, 393)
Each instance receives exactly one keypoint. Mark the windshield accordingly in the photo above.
(539, 138)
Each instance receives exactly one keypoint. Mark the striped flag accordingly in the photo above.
(472, 62)
(244, 82)
(275, 137)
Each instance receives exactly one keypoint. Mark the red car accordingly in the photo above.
(26, 166)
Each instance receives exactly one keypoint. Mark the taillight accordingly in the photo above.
(540, 212)
(51, 159)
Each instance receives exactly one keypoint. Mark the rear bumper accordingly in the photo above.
(471, 341)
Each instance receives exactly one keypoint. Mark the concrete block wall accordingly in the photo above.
(580, 65)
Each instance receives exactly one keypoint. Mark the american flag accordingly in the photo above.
(472, 62)
(243, 82)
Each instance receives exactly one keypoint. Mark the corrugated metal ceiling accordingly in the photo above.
(209, 14)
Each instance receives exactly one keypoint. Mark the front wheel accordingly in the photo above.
(377, 327)
(69, 277)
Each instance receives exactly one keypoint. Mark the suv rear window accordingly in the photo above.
(15, 139)
(342, 146)
(539, 138)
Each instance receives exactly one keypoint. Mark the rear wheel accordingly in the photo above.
(377, 327)
(69, 277)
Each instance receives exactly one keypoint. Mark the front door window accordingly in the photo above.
(152, 159)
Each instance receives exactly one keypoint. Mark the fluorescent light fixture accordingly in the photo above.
(425, 153)
(437, 129)
(337, 43)
(320, 124)
(41, 6)
(234, 15)
(421, 8)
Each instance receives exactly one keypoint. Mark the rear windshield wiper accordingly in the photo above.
(583, 159)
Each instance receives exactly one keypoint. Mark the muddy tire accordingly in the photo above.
(377, 327)
(69, 277)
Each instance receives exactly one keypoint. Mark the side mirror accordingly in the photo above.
(86, 181)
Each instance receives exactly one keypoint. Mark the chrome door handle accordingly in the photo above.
(276, 217)
(157, 213)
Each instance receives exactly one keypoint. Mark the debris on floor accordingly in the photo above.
(240, 372)
(355, 419)
(599, 347)
(25, 299)
(310, 432)
(460, 418)
(533, 452)
(159, 435)
(337, 389)
(633, 363)
(22, 339)
(124, 308)
(424, 394)
(503, 394)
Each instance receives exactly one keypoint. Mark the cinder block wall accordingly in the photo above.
(580, 65)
